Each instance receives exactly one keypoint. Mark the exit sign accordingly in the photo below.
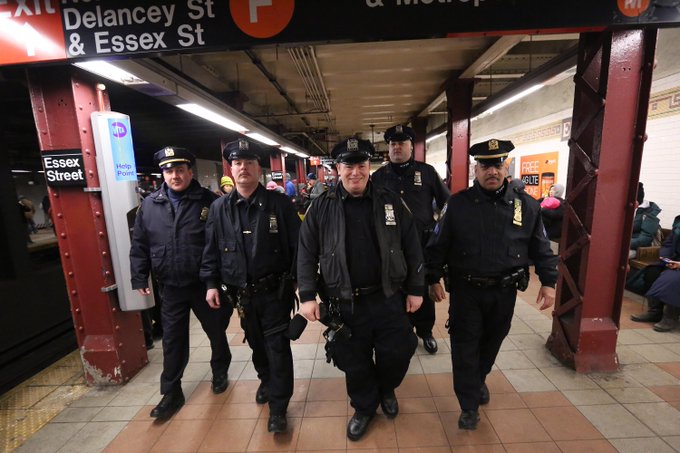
(30, 32)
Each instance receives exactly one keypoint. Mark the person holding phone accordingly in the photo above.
(666, 288)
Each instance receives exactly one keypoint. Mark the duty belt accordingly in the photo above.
(265, 284)
(366, 290)
(503, 281)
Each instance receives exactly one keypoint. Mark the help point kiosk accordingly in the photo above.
(118, 181)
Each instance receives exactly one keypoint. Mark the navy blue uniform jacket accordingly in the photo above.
(168, 243)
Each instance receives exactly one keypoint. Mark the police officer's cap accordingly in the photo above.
(241, 149)
(399, 133)
(491, 151)
(352, 151)
(311, 176)
(172, 156)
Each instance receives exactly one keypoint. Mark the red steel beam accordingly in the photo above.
(420, 127)
(276, 164)
(300, 168)
(111, 342)
(459, 105)
(613, 81)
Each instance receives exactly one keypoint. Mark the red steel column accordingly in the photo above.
(420, 127)
(111, 342)
(459, 106)
(613, 81)
(276, 162)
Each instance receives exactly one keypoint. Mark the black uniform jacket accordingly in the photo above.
(418, 186)
(322, 246)
(274, 239)
(480, 236)
(169, 243)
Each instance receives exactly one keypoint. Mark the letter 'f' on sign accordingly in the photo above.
(254, 4)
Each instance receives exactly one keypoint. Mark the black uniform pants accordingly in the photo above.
(265, 325)
(479, 322)
(177, 302)
(381, 325)
(423, 318)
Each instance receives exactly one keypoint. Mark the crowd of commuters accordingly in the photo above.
(367, 261)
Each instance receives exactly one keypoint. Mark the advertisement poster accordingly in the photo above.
(538, 173)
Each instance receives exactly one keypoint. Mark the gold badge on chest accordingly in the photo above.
(204, 214)
(517, 217)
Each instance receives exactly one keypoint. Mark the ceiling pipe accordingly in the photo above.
(272, 79)
(307, 65)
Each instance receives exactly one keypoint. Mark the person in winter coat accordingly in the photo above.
(666, 288)
(167, 240)
(645, 223)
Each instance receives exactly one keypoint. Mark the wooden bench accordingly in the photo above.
(648, 255)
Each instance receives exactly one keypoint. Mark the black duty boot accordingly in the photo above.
(484, 396)
(669, 320)
(262, 395)
(220, 383)
(357, 426)
(430, 344)
(277, 424)
(389, 404)
(654, 311)
(170, 403)
(468, 420)
(650, 316)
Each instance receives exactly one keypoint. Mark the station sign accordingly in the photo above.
(64, 168)
(43, 30)
(277, 176)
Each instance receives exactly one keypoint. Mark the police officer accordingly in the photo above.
(168, 240)
(420, 186)
(363, 240)
(251, 239)
(487, 236)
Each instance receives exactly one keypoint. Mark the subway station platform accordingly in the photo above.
(537, 405)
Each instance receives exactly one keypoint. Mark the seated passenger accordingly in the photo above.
(645, 223)
(666, 288)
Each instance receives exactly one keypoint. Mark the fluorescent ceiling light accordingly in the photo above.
(262, 139)
(213, 117)
(288, 149)
(435, 137)
(510, 100)
(111, 72)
